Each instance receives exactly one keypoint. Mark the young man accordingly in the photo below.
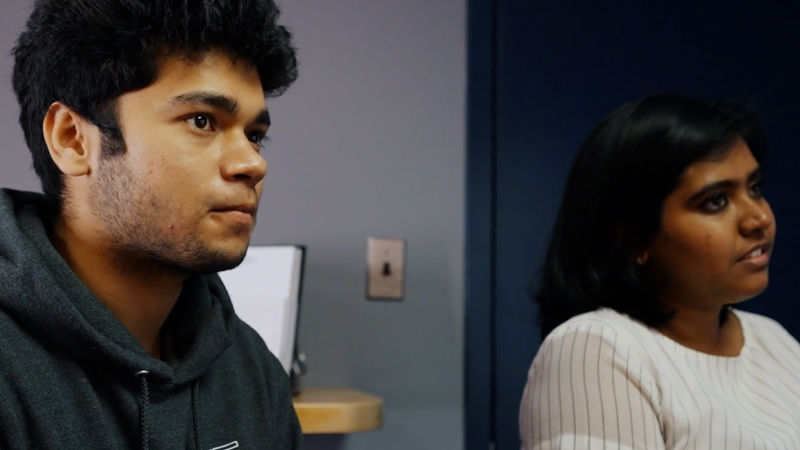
(145, 120)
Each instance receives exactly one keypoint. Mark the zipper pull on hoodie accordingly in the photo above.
(144, 406)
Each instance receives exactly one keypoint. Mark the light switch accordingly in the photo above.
(385, 268)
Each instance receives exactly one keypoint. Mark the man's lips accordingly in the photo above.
(244, 208)
(241, 213)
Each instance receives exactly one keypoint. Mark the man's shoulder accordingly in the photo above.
(13, 335)
(27, 361)
(10, 198)
(248, 346)
(249, 376)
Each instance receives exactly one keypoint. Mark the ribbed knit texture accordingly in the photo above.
(605, 381)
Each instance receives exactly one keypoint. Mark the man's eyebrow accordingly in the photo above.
(227, 104)
(263, 118)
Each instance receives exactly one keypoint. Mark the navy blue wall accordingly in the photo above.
(556, 70)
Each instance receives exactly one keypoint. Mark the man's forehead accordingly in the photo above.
(213, 58)
(215, 77)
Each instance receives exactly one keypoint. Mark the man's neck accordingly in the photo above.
(141, 297)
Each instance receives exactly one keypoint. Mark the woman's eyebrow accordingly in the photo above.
(718, 185)
(725, 184)
(757, 174)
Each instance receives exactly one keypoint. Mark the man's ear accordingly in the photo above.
(70, 139)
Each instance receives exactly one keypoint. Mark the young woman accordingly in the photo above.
(663, 226)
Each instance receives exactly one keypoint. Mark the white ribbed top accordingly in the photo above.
(603, 380)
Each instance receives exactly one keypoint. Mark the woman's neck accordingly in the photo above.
(715, 331)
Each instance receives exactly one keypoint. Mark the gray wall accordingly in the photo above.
(369, 141)
(16, 169)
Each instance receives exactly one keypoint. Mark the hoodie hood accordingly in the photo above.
(40, 291)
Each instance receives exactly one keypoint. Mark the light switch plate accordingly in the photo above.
(385, 268)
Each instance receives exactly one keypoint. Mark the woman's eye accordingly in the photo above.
(757, 189)
(715, 203)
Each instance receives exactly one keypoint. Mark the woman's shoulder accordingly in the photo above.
(766, 334)
(603, 330)
(759, 322)
(602, 321)
(601, 341)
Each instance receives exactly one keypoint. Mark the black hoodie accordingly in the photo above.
(72, 376)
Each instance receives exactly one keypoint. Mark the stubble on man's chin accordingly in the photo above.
(130, 210)
(150, 265)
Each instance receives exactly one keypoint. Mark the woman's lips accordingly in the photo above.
(757, 257)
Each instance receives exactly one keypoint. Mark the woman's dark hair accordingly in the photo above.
(86, 53)
(612, 203)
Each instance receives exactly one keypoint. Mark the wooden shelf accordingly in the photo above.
(337, 410)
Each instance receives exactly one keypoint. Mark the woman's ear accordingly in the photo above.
(70, 139)
(641, 255)
(642, 258)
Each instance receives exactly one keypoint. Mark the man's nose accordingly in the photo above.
(242, 161)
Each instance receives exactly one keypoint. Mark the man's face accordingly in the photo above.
(184, 194)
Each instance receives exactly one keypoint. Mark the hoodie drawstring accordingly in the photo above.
(144, 406)
(195, 413)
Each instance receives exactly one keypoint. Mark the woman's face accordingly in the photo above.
(716, 235)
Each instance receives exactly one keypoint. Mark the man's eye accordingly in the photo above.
(256, 137)
(715, 203)
(201, 121)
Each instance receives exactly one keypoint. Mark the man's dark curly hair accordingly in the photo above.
(86, 53)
